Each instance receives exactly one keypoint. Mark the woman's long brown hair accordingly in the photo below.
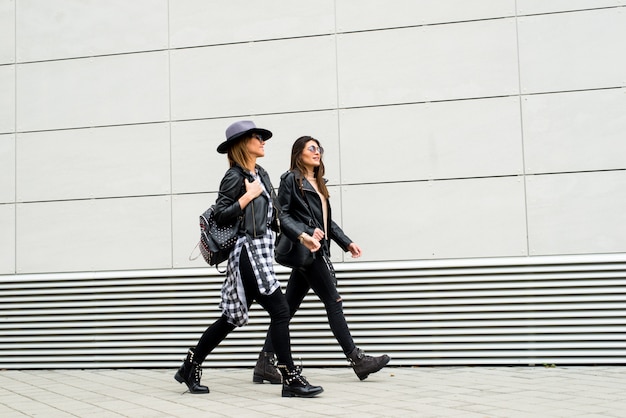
(298, 166)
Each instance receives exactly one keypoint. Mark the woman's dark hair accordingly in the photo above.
(298, 166)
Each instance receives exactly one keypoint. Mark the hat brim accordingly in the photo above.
(223, 147)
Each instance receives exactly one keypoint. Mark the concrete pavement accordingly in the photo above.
(581, 391)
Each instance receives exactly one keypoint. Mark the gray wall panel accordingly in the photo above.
(469, 138)
(201, 22)
(7, 238)
(570, 51)
(251, 78)
(355, 15)
(7, 31)
(89, 92)
(75, 28)
(575, 131)
(92, 163)
(437, 219)
(549, 6)
(7, 98)
(472, 218)
(475, 59)
(196, 166)
(99, 234)
(7, 168)
(577, 213)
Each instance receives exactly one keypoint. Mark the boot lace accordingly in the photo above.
(293, 376)
(197, 372)
(272, 360)
(296, 375)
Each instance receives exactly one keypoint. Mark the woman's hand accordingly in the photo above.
(253, 190)
(310, 242)
(318, 234)
(355, 250)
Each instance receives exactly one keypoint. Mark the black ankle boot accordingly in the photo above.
(363, 365)
(294, 384)
(190, 374)
(265, 369)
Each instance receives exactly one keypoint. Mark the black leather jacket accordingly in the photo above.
(254, 215)
(295, 217)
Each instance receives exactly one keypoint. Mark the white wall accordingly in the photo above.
(453, 129)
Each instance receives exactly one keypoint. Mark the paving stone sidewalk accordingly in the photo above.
(593, 391)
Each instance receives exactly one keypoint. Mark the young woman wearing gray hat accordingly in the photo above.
(246, 193)
(305, 218)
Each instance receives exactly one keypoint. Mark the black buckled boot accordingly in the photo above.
(265, 369)
(294, 384)
(190, 374)
(363, 365)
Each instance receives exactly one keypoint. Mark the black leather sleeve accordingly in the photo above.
(337, 235)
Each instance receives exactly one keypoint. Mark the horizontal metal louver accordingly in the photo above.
(536, 310)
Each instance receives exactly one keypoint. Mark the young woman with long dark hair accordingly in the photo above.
(306, 219)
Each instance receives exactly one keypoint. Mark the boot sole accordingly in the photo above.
(290, 394)
(363, 377)
(261, 380)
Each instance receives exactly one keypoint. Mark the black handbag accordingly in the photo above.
(292, 254)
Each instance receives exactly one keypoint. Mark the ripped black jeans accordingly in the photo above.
(318, 277)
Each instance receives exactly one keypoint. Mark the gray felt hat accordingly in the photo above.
(241, 129)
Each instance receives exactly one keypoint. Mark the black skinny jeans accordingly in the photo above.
(317, 277)
(275, 304)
